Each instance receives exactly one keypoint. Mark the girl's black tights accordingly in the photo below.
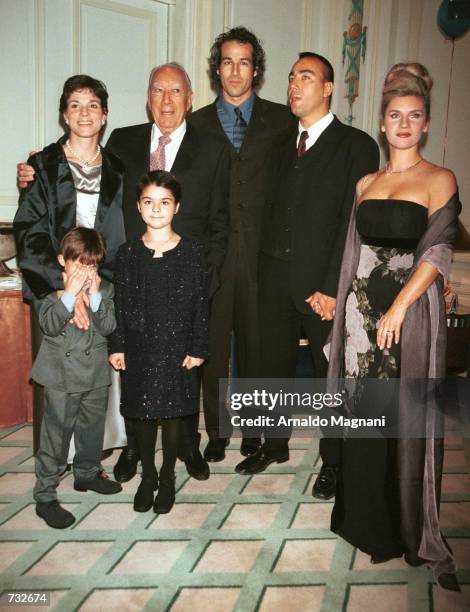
(146, 434)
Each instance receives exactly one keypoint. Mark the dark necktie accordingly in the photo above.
(301, 147)
(239, 129)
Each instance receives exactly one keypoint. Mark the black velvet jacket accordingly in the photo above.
(47, 211)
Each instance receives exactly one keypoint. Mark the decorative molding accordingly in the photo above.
(202, 39)
(336, 10)
(370, 122)
(76, 36)
(8, 206)
(306, 31)
(228, 15)
(354, 49)
(9, 200)
(40, 55)
(114, 7)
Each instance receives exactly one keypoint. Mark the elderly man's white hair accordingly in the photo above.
(175, 66)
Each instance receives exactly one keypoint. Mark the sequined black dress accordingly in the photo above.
(367, 504)
(162, 316)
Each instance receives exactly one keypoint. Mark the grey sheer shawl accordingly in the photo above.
(423, 344)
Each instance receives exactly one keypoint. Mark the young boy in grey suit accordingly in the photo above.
(72, 365)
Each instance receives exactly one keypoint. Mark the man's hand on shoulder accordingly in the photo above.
(24, 173)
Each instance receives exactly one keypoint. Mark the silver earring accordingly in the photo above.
(103, 121)
(67, 121)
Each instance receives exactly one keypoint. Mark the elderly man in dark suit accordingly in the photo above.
(200, 162)
(251, 127)
(303, 242)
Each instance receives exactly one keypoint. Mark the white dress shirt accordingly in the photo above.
(315, 130)
(172, 147)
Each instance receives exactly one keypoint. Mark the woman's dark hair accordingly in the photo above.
(84, 244)
(160, 178)
(243, 36)
(83, 81)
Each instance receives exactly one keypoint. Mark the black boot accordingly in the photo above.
(143, 499)
(126, 466)
(165, 498)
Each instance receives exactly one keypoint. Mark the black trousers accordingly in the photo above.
(281, 327)
(234, 308)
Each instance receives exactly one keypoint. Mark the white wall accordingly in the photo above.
(43, 42)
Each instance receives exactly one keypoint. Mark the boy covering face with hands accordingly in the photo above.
(72, 366)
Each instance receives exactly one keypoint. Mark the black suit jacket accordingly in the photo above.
(310, 206)
(202, 166)
(269, 124)
(47, 211)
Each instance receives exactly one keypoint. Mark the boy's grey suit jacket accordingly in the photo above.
(71, 359)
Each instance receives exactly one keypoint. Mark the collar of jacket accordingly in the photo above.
(59, 174)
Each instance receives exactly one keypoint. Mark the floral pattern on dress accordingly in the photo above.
(364, 309)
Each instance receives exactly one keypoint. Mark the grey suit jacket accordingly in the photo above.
(71, 359)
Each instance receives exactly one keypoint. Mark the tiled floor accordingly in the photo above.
(231, 543)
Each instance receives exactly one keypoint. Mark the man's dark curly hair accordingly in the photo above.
(241, 35)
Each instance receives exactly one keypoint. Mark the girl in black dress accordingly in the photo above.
(161, 335)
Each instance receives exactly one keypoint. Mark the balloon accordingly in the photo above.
(451, 28)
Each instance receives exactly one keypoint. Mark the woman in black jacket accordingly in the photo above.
(76, 183)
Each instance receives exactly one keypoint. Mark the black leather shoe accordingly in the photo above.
(143, 499)
(196, 465)
(98, 484)
(250, 446)
(259, 462)
(165, 499)
(215, 449)
(54, 515)
(126, 466)
(324, 486)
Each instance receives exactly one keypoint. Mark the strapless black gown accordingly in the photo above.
(367, 506)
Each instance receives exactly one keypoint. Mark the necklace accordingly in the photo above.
(84, 162)
(388, 169)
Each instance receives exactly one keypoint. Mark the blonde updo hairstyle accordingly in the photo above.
(407, 79)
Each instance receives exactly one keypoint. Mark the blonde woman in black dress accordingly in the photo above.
(389, 323)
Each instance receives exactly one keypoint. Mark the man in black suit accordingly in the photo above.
(201, 163)
(250, 126)
(303, 243)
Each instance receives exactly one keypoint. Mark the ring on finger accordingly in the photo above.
(389, 332)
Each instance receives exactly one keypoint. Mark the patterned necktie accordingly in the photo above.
(239, 129)
(157, 157)
(301, 147)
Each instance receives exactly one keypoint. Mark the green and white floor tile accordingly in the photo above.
(231, 543)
